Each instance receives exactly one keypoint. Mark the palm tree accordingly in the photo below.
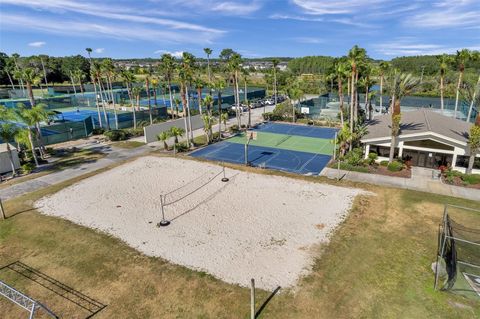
(168, 66)
(208, 102)
(219, 86)
(443, 61)
(475, 57)
(474, 143)
(403, 84)
(177, 103)
(366, 82)
(275, 63)
(31, 77)
(208, 122)
(294, 93)
(199, 84)
(208, 52)
(163, 137)
(10, 70)
(136, 91)
(148, 73)
(79, 76)
(341, 71)
(234, 67)
(97, 75)
(28, 117)
(155, 82)
(8, 132)
(109, 70)
(186, 73)
(224, 119)
(128, 78)
(462, 57)
(15, 57)
(355, 56)
(176, 132)
(383, 68)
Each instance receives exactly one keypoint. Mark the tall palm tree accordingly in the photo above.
(208, 122)
(186, 75)
(168, 67)
(234, 67)
(461, 58)
(294, 95)
(31, 77)
(128, 78)
(341, 71)
(275, 63)
(8, 132)
(474, 143)
(97, 75)
(383, 68)
(208, 103)
(79, 76)
(10, 70)
(208, 52)
(148, 74)
(474, 57)
(355, 56)
(366, 82)
(403, 84)
(136, 91)
(219, 86)
(29, 118)
(15, 57)
(443, 62)
(109, 70)
(224, 119)
(199, 85)
(155, 82)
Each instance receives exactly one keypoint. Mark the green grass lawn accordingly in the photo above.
(128, 144)
(377, 265)
(288, 142)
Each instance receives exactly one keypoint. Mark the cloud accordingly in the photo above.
(99, 50)
(316, 7)
(175, 54)
(237, 8)
(112, 12)
(412, 46)
(278, 16)
(37, 44)
(308, 40)
(119, 31)
(448, 14)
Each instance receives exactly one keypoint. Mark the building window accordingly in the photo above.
(383, 151)
(462, 161)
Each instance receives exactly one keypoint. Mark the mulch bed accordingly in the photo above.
(457, 181)
(382, 170)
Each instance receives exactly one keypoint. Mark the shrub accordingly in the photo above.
(471, 178)
(384, 163)
(134, 132)
(395, 166)
(98, 131)
(348, 167)
(234, 128)
(181, 147)
(354, 158)
(27, 168)
(372, 157)
(116, 135)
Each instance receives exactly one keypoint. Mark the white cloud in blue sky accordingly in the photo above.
(129, 28)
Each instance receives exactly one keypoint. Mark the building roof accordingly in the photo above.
(3, 147)
(420, 121)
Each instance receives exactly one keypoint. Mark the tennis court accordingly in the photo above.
(292, 148)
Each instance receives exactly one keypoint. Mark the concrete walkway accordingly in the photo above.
(421, 180)
(114, 155)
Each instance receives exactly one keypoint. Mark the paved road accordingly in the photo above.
(114, 155)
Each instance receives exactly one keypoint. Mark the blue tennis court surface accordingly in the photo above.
(78, 116)
(306, 163)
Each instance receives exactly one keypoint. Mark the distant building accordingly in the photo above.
(427, 138)
(5, 165)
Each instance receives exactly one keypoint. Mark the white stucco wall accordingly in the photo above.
(5, 165)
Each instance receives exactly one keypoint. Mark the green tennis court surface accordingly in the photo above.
(288, 142)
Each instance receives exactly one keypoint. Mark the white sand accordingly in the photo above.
(254, 226)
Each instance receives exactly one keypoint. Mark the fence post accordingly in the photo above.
(2, 211)
(252, 299)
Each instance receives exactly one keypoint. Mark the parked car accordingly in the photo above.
(269, 102)
(241, 108)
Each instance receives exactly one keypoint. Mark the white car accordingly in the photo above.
(269, 102)
(241, 108)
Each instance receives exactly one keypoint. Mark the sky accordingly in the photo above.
(254, 28)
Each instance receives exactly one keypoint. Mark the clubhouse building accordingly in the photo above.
(427, 138)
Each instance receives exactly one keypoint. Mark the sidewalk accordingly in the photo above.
(421, 180)
(114, 155)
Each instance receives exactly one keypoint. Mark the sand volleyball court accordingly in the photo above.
(254, 226)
